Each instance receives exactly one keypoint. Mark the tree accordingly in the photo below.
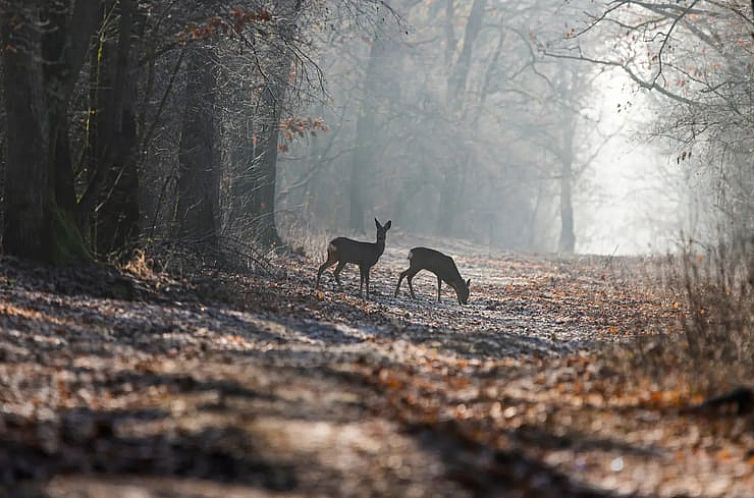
(198, 176)
(272, 100)
(39, 222)
(112, 194)
(457, 78)
(365, 155)
(447, 122)
(695, 58)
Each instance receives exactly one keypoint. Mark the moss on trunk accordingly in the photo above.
(68, 245)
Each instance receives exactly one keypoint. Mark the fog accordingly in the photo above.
(568, 127)
(451, 119)
(631, 205)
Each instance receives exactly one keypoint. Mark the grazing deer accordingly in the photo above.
(421, 258)
(362, 254)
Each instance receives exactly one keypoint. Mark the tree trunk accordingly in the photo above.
(265, 169)
(29, 201)
(117, 213)
(362, 164)
(243, 151)
(273, 98)
(70, 25)
(198, 177)
(366, 140)
(456, 85)
(55, 76)
(450, 35)
(455, 170)
(37, 91)
(448, 200)
(567, 243)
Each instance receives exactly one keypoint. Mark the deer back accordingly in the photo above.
(355, 252)
(436, 262)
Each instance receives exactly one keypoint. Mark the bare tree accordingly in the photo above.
(198, 176)
(39, 221)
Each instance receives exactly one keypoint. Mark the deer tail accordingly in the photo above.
(331, 249)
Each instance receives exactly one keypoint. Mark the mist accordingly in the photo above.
(453, 120)
(425, 248)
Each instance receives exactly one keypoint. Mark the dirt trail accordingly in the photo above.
(284, 391)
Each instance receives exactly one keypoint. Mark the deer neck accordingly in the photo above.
(456, 281)
(380, 246)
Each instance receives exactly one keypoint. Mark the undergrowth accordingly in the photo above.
(714, 289)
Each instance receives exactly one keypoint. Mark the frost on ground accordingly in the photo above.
(239, 385)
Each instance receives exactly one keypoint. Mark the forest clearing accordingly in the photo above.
(182, 182)
(252, 385)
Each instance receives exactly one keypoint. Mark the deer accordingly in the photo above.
(422, 258)
(365, 255)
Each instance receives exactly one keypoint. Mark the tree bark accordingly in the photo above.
(273, 98)
(28, 201)
(460, 71)
(366, 140)
(450, 35)
(198, 177)
(453, 177)
(265, 169)
(117, 212)
(66, 39)
(40, 69)
(567, 242)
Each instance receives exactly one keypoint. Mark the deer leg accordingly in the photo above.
(337, 271)
(410, 279)
(327, 264)
(366, 276)
(361, 280)
(400, 279)
(439, 289)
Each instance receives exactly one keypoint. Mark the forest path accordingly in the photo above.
(288, 391)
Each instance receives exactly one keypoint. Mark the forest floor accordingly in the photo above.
(231, 385)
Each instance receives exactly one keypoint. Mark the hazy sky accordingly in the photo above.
(628, 208)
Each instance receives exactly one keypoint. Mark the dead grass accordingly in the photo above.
(718, 283)
(306, 241)
(140, 265)
(713, 289)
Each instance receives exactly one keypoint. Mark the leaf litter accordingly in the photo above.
(117, 384)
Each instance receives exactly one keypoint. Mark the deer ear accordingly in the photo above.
(468, 282)
(377, 223)
(388, 224)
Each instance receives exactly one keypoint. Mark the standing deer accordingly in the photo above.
(363, 254)
(422, 258)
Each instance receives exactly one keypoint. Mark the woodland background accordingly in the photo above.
(254, 124)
